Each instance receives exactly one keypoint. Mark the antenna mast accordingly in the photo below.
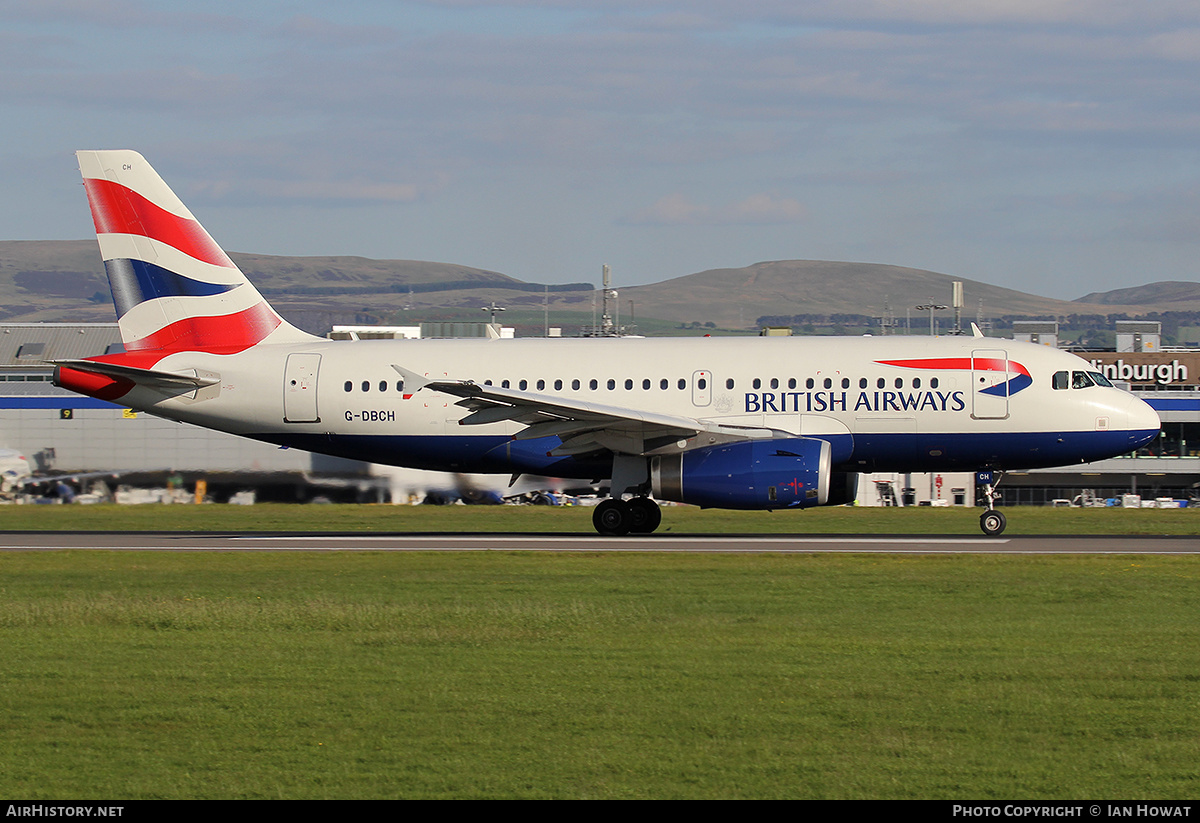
(957, 302)
(606, 321)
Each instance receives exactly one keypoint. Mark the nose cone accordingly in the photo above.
(1142, 422)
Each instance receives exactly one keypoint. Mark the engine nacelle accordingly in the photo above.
(786, 473)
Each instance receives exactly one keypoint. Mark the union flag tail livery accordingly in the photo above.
(174, 288)
(734, 422)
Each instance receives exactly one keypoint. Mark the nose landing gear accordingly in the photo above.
(991, 522)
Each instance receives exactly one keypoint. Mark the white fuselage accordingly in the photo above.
(934, 411)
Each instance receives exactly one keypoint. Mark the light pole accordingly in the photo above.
(930, 307)
(492, 308)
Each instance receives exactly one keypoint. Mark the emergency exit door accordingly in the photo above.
(300, 388)
(701, 388)
(989, 379)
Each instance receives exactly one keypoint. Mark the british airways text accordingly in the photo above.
(832, 401)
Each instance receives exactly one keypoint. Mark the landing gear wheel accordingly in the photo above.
(612, 517)
(644, 515)
(992, 522)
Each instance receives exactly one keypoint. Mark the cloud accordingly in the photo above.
(756, 210)
(320, 191)
(1090, 14)
(911, 123)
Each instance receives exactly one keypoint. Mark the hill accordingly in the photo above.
(735, 297)
(1180, 295)
(64, 281)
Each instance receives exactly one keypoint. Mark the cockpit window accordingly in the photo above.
(1081, 380)
(1100, 379)
(1062, 380)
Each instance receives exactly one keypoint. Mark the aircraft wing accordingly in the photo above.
(37, 479)
(583, 427)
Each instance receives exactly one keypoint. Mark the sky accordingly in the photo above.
(1051, 146)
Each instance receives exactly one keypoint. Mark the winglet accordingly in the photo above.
(413, 382)
(975, 332)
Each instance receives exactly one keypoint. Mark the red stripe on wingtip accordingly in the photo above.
(117, 209)
(225, 334)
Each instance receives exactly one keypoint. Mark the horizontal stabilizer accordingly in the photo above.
(142, 377)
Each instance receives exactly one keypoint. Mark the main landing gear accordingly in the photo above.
(639, 515)
(992, 522)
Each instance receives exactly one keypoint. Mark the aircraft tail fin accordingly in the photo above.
(173, 286)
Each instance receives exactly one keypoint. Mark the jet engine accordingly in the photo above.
(785, 473)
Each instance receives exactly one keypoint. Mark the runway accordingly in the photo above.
(722, 544)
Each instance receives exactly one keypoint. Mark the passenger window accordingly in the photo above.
(541, 384)
(349, 385)
(504, 384)
(757, 384)
(845, 382)
(628, 384)
(702, 384)
(612, 384)
(400, 385)
(523, 385)
(933, 382)
(829, 382)
(646, 384)
(774, 383)
(916, 382)
(791, 382)
(899, 382)
(593, 384)
(1061, 380)
(663, 384)
(558, 385)
(682, 384)
(862, 382)
(366, 385)
(808, 384)
(880, 383)
(729, 383)
(575, 384)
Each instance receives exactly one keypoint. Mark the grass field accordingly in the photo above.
(502, 674)
(676, 519)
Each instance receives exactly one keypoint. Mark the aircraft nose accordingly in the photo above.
(1143, 419)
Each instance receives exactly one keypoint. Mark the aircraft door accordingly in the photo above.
(989, 382)
(701, 388)
(300, 388)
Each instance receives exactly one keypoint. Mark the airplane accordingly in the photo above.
(17, 476)
(14, 471)
(763, 423)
